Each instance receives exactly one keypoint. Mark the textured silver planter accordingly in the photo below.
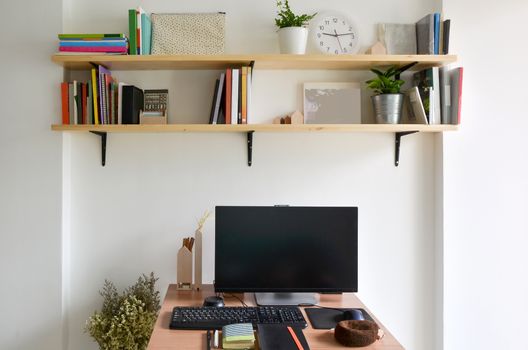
(388, 108)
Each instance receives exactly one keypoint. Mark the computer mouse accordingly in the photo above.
(213, 301)
(353, 314)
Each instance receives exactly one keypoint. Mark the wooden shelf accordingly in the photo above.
(261, 61)
(390, 128)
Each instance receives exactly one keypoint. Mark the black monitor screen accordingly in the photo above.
(286, 249)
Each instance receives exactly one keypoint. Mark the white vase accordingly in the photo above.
(292, 40)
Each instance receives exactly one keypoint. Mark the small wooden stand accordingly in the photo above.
(184, 269)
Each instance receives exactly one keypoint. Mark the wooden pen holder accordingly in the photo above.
(184, 269)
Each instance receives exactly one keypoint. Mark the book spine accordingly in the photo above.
(64, 104)
(243, 97)
(213, 103)
(83, 103)
(234, 96)
(132, 24)
(75, 103)
(115, 49)
(89, 103)
(447, 25)
(436, 33)
(229, 82)
(95, 96)
(249, 88)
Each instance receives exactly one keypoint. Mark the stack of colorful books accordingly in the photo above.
(116, 44)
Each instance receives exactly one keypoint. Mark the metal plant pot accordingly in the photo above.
(388, 108)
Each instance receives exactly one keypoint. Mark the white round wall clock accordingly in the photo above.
(334, 34)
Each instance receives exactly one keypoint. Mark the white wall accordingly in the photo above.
(30, 173)
(486, 180)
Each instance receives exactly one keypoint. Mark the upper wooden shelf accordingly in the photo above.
(261, 61)
(391, 128)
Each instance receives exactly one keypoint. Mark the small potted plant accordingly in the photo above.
(126, 320)
(387, 101)
(293, 33)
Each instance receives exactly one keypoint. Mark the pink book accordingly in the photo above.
(92, 49)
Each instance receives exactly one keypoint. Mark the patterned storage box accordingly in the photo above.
(188, 33)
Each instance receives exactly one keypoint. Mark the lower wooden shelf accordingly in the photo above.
(399, 131)
(257, 128)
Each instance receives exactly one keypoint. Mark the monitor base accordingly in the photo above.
(264, 299)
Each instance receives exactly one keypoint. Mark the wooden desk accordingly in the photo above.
(164, 338)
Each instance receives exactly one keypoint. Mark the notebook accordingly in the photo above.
(278, 337)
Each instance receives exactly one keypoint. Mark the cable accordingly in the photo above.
(322, 307)
(236, 297)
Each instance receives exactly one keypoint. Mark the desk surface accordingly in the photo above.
(164, 338)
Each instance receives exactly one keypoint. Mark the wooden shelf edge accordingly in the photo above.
(175, 128)
(262, 61)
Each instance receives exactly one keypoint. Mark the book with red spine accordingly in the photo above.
(228, 88)
(65, 104)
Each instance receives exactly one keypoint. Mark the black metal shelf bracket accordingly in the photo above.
(397, 140)
(103, 145)
(250, 147)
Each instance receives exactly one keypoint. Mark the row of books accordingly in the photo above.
(436, 97)
(232, 97)
(93, 43)
(432, 35)
(140, 32)
(101, 100)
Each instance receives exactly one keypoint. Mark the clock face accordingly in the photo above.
(335, 34)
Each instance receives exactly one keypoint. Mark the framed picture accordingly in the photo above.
(332, 103)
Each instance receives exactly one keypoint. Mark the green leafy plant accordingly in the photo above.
(386, 82)
(126, 320)
(286, 17)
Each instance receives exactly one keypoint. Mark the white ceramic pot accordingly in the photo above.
(292, 40)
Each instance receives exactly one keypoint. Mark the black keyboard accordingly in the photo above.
(208, 317)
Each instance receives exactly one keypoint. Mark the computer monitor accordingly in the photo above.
(286, 254)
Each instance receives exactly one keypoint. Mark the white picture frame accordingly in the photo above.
(332, 103)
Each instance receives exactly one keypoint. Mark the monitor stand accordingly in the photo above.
(286, 298)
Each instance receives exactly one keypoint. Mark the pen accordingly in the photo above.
(208, 345)
(295, 339)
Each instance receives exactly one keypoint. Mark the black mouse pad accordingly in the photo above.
(328, 318)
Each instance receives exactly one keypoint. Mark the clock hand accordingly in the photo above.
(344, 34)
(329, 34)
(338, 41)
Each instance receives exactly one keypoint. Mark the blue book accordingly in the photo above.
(146, 34)
(436, 33)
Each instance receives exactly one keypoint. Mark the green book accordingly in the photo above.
(132, 25)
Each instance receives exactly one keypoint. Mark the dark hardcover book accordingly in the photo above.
(425, 35)
(218, 98)
(447, 25)
(213, 103)
(278, 337)
(132, 104)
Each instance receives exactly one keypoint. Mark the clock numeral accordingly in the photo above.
(327, 22)
(321, 43)
(336, 52)
(345, 49)
(350, 44)
(344, 23)
(350, 29)
(335, 20)
(318, 35)
(321, 27)
(352, 35)
(328, 49)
